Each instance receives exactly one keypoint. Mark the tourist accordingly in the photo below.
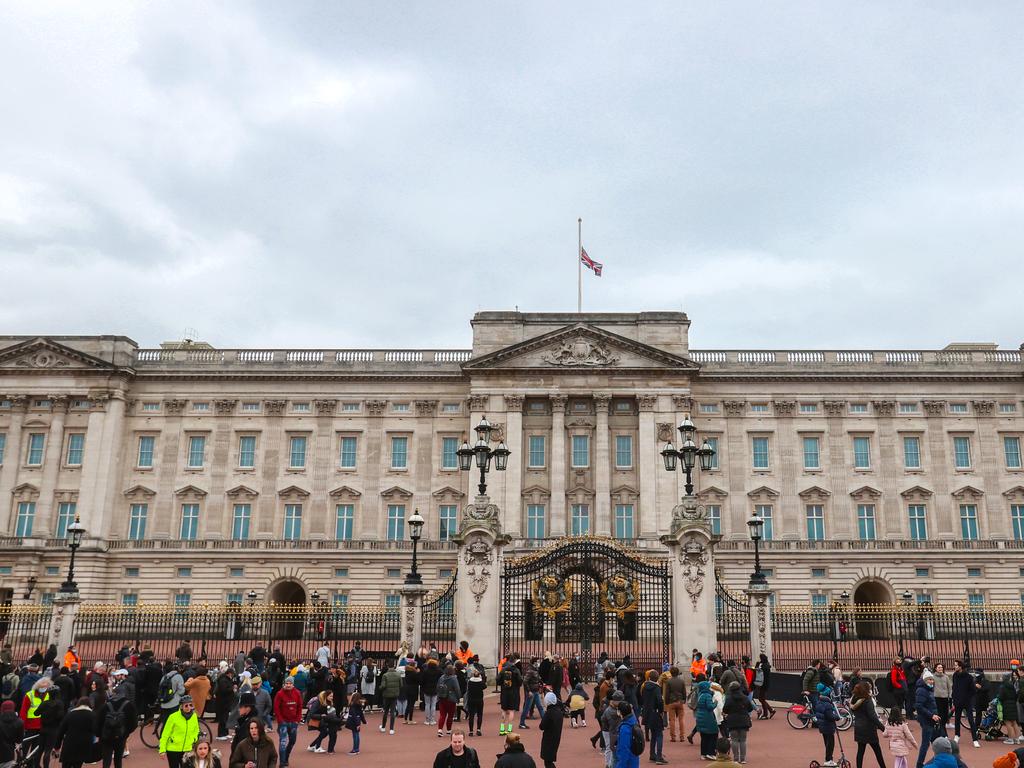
(355, 720)
(198, 687)
(762, 682)
(1011, 695)
(944, 757)
(624, 757)
(255, 749)
(901, 739)
(448, 693)
(532, 685)
(264, 704)
(49, 710)
(429, 678)
(578, 707)
(224, 700)
(827, 716)
(927, 713)
(457, 754)
(410, 690)
(963, 688)
(943, 693)
(736, 711)
(476, 684)
(514, 755)
(674, 692)
(866, 724)
(115, 721)
(809, 681)
(723, 754)
(170, 689)
(604, 690)
(75, 736)
(599, 666)
(551, 724)
(1009, 760)
(913, 670)
(180, 733)
(898, 683)
(707, 723)
(653, 715)
(389, 689)
(322, 717)
(288, 713)
(509, 681)
(368, 682)
(610, 721)
(202, 756)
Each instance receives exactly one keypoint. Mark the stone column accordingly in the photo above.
(12, 460)
(758, 596)
(989, 462)
(843, 518)
(786, 466)
(44, 522)
(939, 464)
(316, 525)
(423, 467)
(412, 621)
(890, 461)
(739, 462)
(558, 466)
(692, 567)
(368, 525)
(62, 625)
(648, 462)
(478, 580)
(602, 469)
(513, 506)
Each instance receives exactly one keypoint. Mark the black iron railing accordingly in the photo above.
(438, 617)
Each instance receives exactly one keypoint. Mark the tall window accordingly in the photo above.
(343, 522)
(76, 444)
(760, 450)
(581, 450)
(292, 522)
(623, 451)
(396, 522)
(447, 516)
(392, 603)
(145, 458)
(189, 521)
(26, 517)
(182, 601)
(65, 516)
(399, 452)
(247, 451)
(962, 452)
(862, 452)
(624, 521)
(241, 515)
(912, 452)
(866, 521)
(536, 451)
(297, 453)
(36, 442)
(137, 521)
(3, 445)
(815, 522)
(969, 522)
(764, 511)
(348, 453)
(449, 459)
(1017, 519)
(713, 444)
(918, 522)
(1011, 450)
(535, 521)
(580, 519)
(196, 451)
(812, 453)
(714, 513)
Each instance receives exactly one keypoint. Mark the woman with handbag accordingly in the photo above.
(762, 679)
(323, 718)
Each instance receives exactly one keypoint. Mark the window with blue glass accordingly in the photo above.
(396, 522)
(1017, 521)
(392, 603)
(714, 513)
(581, 451)
(819, 601)
(449, 457)
(812, 453)
(912, 452)
(765, 512)
(189, 521)
(624, 528)
(297, 452)
(866, 522)
(713, 444)
(348, 453)
(918, 517)
(65, 516)
(3, 446)
(623, 451)
(26, 518)
(448, 519)
(1011, 451)
(536, 459)
(580, 519)
(962, 452)
(969, 522)
(145, 456)
(182, 601)
(815, 522)
(759, 447)
(292, 522)
(535, 521)
(344, 514)
(247, 451)
(241, 516)
(36, 442)
(76, 445)
(196, 451)
(399, 452)
(862, 452)
(137, 514)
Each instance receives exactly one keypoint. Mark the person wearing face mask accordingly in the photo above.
(927, 713)
(181, 732)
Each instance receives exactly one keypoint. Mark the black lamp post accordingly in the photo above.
(688, 453)
(31, 585)
(483, 453)
(315, 597)
(415, 532)
(75, 533)
(756, 529)
(251, 594)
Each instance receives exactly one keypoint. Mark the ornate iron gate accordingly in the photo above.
(585, 595)
(438, 617)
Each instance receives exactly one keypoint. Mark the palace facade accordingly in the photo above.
(202, 473)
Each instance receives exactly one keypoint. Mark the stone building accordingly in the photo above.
(203, 473)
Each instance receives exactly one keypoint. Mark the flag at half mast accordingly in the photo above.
(589, 263)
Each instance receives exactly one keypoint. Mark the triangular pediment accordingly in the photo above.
(967, 491)
(916, 491)
(814, 492)
(1016, 491)
(627, 489)
(242, 491)
(579, 347)
(764, 490)
(25, 489)
(140, 490)
(536, 489)
(190, 490)
(866, 490)
(710, 491)
(447, 491)
(581, 490)
(42, 354)
(344, 490)
(398, 491)
(293, 490)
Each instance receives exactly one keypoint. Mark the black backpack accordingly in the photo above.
(636, 740)
(114, 725)
(166, 688)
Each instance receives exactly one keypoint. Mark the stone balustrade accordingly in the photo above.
(299, 358)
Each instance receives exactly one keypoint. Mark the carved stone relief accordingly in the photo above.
(274, 407)
(694, 557)
(665, 431)
(580, 352)
(735, 407)
(325, 407)
(376, 407)
(479, 557)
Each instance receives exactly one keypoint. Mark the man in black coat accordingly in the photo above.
(551, 725)
(457, 754)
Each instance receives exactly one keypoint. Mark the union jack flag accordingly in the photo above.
(589, 263)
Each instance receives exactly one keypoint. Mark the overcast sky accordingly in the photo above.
(329, 174)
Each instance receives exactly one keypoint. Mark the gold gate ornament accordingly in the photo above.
(551, 596)
(620, 595)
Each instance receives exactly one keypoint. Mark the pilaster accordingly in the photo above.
(843, 522)
(692, 566)
(477, 592)
(322, 470)
(939, 467)
(889, 464)
(44, 522)
(12, 460)
(602, 467)
(514, 474)
(786, 466)
(558, 466)
(758, 597)
(412, 620)
(648, 461)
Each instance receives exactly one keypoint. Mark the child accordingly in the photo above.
(355, 719)
(578, 706)
(899, 736)
(827, 717)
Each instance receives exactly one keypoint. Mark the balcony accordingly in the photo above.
(857, 545)
(309, 360)
(305, 545)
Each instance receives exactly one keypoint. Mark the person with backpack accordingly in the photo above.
(610, 722)
(551, 725)
(448, 693)
(629, 744)
(368, 682)
(390, 688)
(476, 684)
(532, 685)
(171, 690)
(116, 719)
(9, 685)
(736, 711)
(510, 680)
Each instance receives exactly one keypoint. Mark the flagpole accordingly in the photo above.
(579, 269)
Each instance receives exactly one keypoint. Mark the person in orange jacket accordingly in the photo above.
(463, 653)
(697, 666)
(72, 657)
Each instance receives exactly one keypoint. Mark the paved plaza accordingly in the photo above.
(772, 743)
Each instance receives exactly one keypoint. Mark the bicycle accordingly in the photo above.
(801, 715)
(26, 752)
(153, 725)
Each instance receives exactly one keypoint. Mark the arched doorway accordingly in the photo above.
(289, 612)
(869, 620)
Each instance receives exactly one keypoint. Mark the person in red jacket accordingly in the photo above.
(898, 682)
(288, 713)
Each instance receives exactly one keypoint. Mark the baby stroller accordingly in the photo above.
(991, 725)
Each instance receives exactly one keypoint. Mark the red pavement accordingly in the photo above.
(771, 743)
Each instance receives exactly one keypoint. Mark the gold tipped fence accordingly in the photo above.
(26, 628)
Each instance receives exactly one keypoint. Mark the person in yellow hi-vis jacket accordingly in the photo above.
(180, 733)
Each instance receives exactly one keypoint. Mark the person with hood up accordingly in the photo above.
(624, 757)
(944, 757)
(927, 713)
(737, 709)
(610, 721)
(12, 731)
(510, 681)
(707, 721)
(578, 707)
(368, 682)
(866, 724)
(476, 683)
(827, 717)
(514, 755)
(115, 721)
(551, 725)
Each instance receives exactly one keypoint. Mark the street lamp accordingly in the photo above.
(845, 596)
(415, 532)
(756, 529)
(252, 596)
(75, 533)
(907, 596)
(315, 597)
(31, 585)
(688, 453)
(483, 453)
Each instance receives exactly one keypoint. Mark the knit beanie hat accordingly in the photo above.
(942, 745)
(1009, 760)
(7, 706)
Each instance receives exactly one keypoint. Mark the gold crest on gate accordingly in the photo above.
(620, 595)
(551, 596)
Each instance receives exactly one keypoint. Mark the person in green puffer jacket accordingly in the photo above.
(388, 689)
